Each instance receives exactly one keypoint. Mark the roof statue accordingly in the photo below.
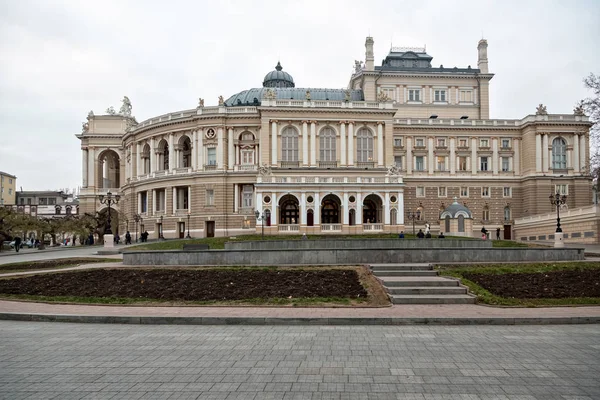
(111, 110)
(347, 95)
(393, 170)
(578, 110)
(308, 95)
(200, 102)
(541, 110)
(221, 101)
(125, 107)
(270, 94)
(90, 115)
(357, 66)
(382, 96)
(85, 127)
(131, 123)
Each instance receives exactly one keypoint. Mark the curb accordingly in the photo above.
(389, 321)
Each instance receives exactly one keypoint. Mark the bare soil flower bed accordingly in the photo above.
(548, 285)
(192, 285)
(51, 264)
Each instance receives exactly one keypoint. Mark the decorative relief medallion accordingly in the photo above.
(210, 134)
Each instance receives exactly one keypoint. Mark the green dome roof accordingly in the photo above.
(278, 78)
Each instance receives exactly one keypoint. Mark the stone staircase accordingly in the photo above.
(420, 284)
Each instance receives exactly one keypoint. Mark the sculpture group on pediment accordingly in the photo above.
(393, 170)
(125, 107)
(357, 66)
(200, 102)
(264, 169)
(578, 110)
(221, 101)
(111, 110)
(85, 127)
(382, 96)
(347, 95)
(308, 95)
(541, 110)
(270, 94)
(90, 115)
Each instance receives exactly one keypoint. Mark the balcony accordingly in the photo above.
(288, 228)
(331, 227)
(246, 167)
(365, 164)
(328, 164)
(372, 227)
(210, 167)
(289, 164)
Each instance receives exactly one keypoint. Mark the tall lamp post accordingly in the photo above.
(188, 225)
(136, 218)
(558, 200)
(160, 231)
(411, 215)
(109, 199)
(265, 215)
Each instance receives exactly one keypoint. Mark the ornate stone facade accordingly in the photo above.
(405, 136)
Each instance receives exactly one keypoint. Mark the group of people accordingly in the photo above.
(422, 235)
(485, 234)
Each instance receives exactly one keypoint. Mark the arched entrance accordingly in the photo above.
(372, 209)
(310, 218)
(289, 210)
(109, 170)
(330, 209)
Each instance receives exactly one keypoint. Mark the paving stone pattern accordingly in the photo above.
(81, 361)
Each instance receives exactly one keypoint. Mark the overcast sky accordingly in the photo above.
(61, 58)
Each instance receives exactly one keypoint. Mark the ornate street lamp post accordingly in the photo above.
(160, 231)
(411, 215)
(265, 215)
(109, 200)
(188, 225)
(558, 200)
(136, 218)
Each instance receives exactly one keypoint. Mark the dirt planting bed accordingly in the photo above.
(51, 264)
(193, 285)
(548, 285)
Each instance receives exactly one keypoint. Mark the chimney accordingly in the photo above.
(369, 56)
(482, 60)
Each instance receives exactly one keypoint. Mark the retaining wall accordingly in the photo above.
(348, 256)
(357, 244)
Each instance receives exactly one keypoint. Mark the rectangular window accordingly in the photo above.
(182, 198)
(561, 189)
(398, 142)
(51, 201)
(29, 201)
(414, 95)
(9, 191)
(483, 165)
(9, 180)
(420, 191)
(43, 201)
(247, 196)
(486, 214)
(247, 157)
(507, 192)
(420, 142)
(419, 163)
(462, 163)
(144, 201)
(161, 200)
(439, 95)
(484, 143)
(505, 164)
(506, 143)
(485, 192)
(462, 143)
(442, 192)
(441, 163)
(22, 201)
(398, 161)
(211, 156)
(466, 96)
(210, 197)
(441, 142)
(464, 192)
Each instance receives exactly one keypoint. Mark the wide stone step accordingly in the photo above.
(402, 267)
(382, 273)
(428, 290)
(418, 281)
(433, 299)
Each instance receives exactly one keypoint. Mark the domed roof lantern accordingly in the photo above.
(278, 78)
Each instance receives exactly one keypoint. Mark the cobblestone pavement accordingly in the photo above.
(76, 361)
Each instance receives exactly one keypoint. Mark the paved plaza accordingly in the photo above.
(82, 361)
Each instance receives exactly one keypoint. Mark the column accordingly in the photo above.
(189, 207)
(230, 153)
(351, 144)
(194, 154)
(545, 152)
(303, 208)
(317, 210)
(139, 168)
(274, 143)
(473, 156)
(359, 208)
(305, 159)
(174, 200)
(582, 150)
(200, 152)
(342, 144)
(409, 156)
(346, 209)
(430, 158)
(386, 209)
(313, 143)
(220, 149)
(538, 152)
(91, 170)
(274, 209)
(380, 144)
(452, 155)
(152, 156)
(258, 204)
(495, 155)
(84, 166)
(517, 156)
(171, 152)
(400, 217)
(153, 202)
(575, 158)
(139, 203)
(236, 198)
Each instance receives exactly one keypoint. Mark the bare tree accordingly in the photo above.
(591, 107)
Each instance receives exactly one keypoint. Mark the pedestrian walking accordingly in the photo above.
(17, 244)
(128, 238)
(497, 233)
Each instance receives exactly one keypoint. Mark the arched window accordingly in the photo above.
(394, 217)
(327, 145)
(486, 213)
(247, 136)
(186, 154)
(507, 213)
(461, 223)
(146, 159)
(165, 156)
(364, 145)
(289, 144)
(559, 154)
(419, 214)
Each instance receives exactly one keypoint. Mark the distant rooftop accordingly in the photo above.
(416, 59)
(7, 174)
